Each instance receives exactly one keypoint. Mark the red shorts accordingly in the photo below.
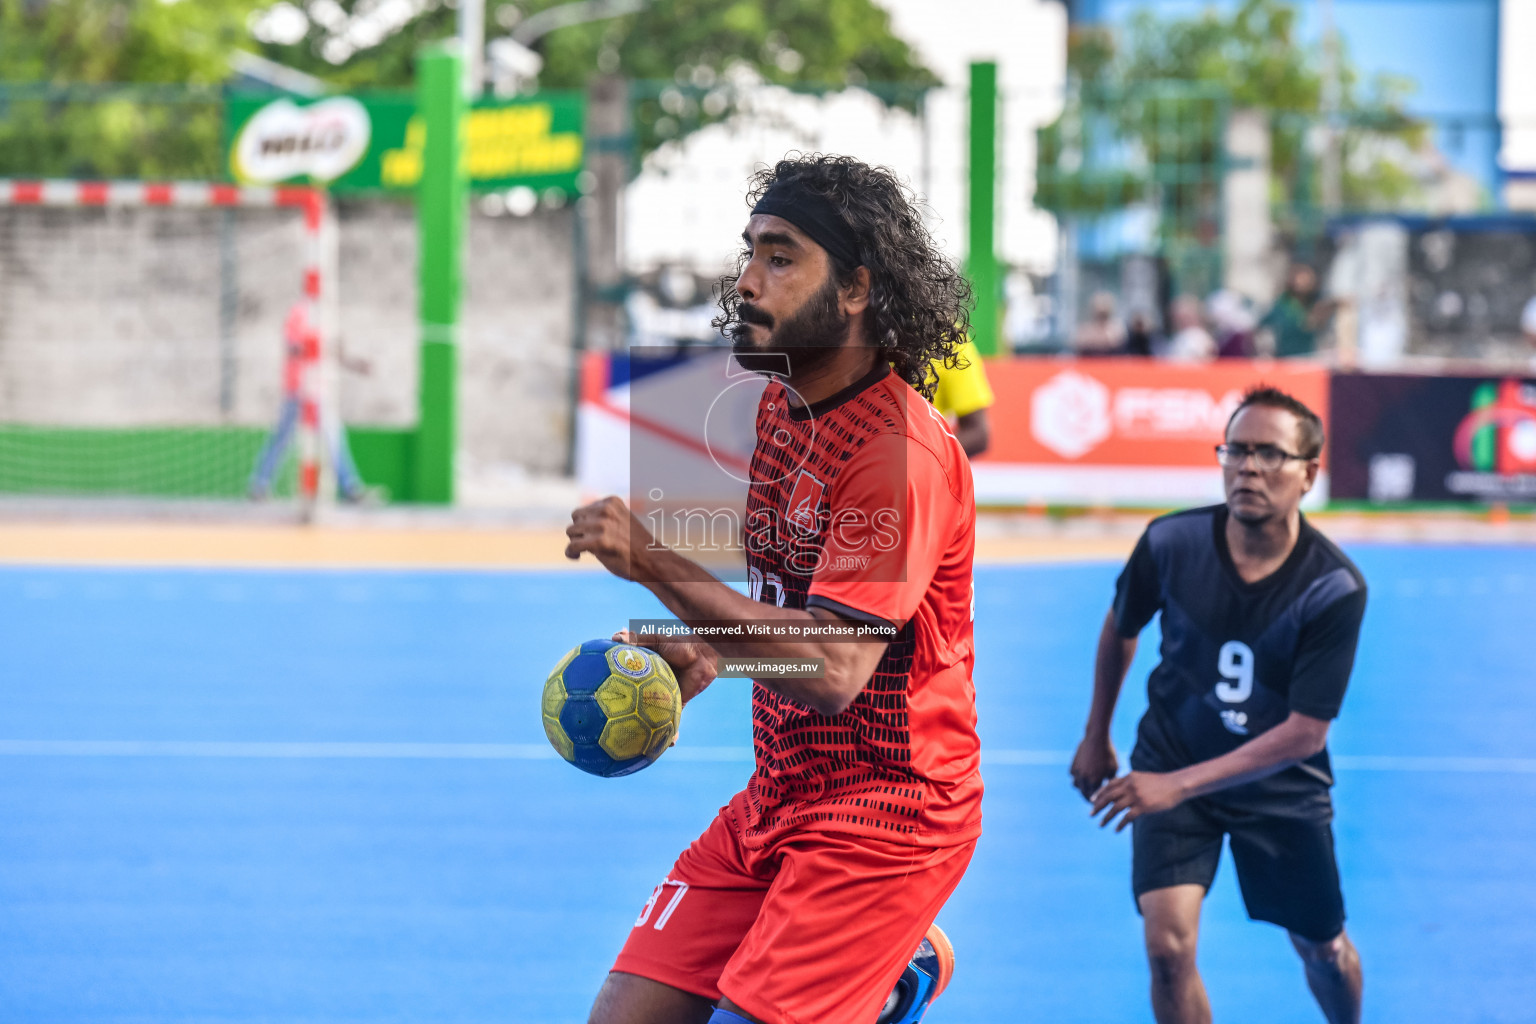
(813, 929)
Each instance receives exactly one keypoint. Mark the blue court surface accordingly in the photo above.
(243, 796)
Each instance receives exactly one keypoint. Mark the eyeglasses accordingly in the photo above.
(1269, 457)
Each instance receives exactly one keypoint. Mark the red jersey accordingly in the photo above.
(862, 504)
(301, 343)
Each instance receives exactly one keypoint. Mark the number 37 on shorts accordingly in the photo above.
(668, 887)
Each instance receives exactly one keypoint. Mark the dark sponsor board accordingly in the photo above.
(1400, 437)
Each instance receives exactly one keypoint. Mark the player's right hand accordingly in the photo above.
(692, 663)
(610, 531)
(1094, 764)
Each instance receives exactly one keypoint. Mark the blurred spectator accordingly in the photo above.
(963, 396)
(1191, 342)
(1233, 324)
(1102, 334)
(1140, 334)
(1528, 328)
(1298, 315)
(301, 340)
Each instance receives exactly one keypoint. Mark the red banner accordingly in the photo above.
(1121, 431)
(1130, 432)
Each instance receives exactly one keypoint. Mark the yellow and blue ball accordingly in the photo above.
(610, 708)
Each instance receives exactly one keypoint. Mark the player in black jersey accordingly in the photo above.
(1260, 615)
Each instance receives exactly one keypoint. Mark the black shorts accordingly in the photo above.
(1285, 865)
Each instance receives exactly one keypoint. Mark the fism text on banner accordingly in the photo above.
(1130, 432)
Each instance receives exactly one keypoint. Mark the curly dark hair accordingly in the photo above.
(919, 307)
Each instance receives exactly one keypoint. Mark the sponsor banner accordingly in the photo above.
(283, 141)
(1122, 431)
(1125, 432)
(373, 143)
(1398, 437)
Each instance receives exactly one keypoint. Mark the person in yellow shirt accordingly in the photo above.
(963, 397)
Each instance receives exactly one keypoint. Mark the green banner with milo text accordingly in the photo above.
(373, 143)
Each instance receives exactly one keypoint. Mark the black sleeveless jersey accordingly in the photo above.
(1236, 657)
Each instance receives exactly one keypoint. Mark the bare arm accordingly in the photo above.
(609, 531)
(694, 596)
(1095, 761)
(1292, 741)
(974, 432)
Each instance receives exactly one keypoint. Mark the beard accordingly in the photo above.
(801, 343)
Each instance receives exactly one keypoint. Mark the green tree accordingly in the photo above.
(64, 109)
(131, 88)
(696, 47)
(1146, 110)
(110, 41)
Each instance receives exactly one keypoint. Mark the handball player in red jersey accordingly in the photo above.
(805, 898)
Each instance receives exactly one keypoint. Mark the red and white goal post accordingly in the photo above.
(315, 278)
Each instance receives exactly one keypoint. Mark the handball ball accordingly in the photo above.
(610, 708)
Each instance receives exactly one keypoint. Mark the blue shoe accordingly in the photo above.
(920, 984)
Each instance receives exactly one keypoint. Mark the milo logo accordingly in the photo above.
(282, 141)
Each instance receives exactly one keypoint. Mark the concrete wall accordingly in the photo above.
(117, 318)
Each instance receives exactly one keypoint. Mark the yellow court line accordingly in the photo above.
(237, 546)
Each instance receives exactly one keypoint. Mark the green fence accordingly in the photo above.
(1160, 153)
(1159, 149)
(138, 132)
(111, 131)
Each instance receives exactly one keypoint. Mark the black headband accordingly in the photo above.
(815, 215)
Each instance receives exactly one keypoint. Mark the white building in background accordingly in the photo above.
(687, 207)
(1517, 102)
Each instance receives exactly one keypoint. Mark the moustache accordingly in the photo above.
(750, 314)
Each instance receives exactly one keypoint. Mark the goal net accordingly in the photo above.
(142, 341)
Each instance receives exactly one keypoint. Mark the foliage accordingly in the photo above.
(111, 134)
(697, 47)
(86, 41)
(58, 124)
(1146, 111)
(84, 105)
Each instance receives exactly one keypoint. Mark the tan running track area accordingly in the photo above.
(442, 544)
(488, 548)
(270, 545)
